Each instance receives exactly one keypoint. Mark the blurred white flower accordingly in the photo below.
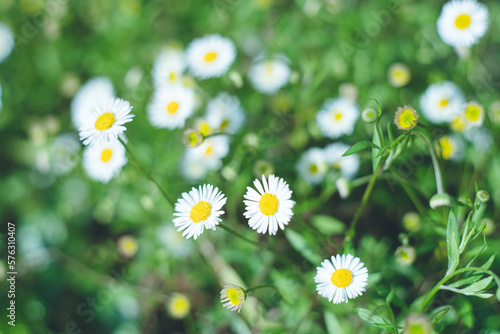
(6, 42)
(210, 56)
(337, 117)
(348, 166)
(441, 102)
(104, 161)
(64, 153)
(269, 75)
(225, 114)
(168, 67)
(171, 106)
(312, 165)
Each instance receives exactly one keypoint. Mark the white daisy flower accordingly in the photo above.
(224, 113)
(337, 117)
(474, 114)
(211, 151)
(269, 75)
(199, 209)
(450, 147)
(6, 42)
(210, 56)
(232, 297)
(171, 106)
(202, 125)
(312, 166)
(462, 23)
(104, 161)
(399, 75)
(348, 166)
(270, 207)
(441, 102)
(106, 123)
(95, 92)
(168, 67)
(341, 279)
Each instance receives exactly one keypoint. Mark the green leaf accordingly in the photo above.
(359, 146)
(373, 319)
(390, 133)
(439, 313)
(328, 225)
(478, 286)
(465, 281)
(381, 152)
(488, 263)
(300, 245)
(332, 323)
(452, 241)
(477, 294)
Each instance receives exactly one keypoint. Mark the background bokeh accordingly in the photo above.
(71, 274)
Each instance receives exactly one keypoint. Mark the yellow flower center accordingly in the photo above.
(224, 125)
(269, 69)
(200, 212)
(208, 150)
(337, 116)
(446, 147)
(416, 329)
(313, 169)
(172, 76)
(105, 121)
(336, 165)
(209, 57)
(341, 278)
(106, 154)
(234, 296)
(407, 119)
(472, 113)
(172, 107)
(462, 21)
(443, 103)
(205, 129)
(268, 204)
(458, 124)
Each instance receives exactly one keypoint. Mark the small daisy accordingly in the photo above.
(270, 207)
(171, 106)
(127, 246)
(348, 166)
(199, 209)
(312, 165)
(178, 306)
(341, 279)
(104, 161)
(337, 117)
(95, 92)
(399, 75)
(450, 147)
(442, 102)
(462, 23)
(202, 125)
(210, 56)
(232, 297)
(406, 118)
(211, 151)
(106, 123)
(474, 114)
(6, 42)
(405, 255)
(269, 75)
(192, 138)
(458, 123)
(481, 138)
(168, 67)
(225, 114)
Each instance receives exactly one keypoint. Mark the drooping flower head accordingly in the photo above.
(232, 297)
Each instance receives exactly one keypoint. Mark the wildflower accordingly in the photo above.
(405, 255)
(210, 56)
(474, 114)
(171, 106)
(211, 151)
(107, 122)
(337, 117)
(483, 196)
(224, 113)
(178, 306)
(450, 147)
(127, 246)
(462, 23)
(270, 206)
(440, 200)
(269, 75)
(6, 42)
(202, 125)
(417, 324)
(348, 166)
(369, 115)
(192, 138)
(168, 67)
(399, 75)
(102, 162)
(312, 165)
(232, 297)
(406, 118)
(95, 92)
(199, 209)
(459, 123)
(411, 221)
(341, 278)
(441, 102)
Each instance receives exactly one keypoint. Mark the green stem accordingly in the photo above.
(393, 318)
(351, 232)
(379, 133)
(147, 173)
(435, 162)
(265, 286)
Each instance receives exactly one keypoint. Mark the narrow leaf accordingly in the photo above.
(359, 146)
(300, 244)
(332, 324)
(452, 241)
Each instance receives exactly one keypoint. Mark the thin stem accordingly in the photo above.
(393, 318)
(379, 133)
(147, 173)
(351, 232)
(246, 291)
(435, 162)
